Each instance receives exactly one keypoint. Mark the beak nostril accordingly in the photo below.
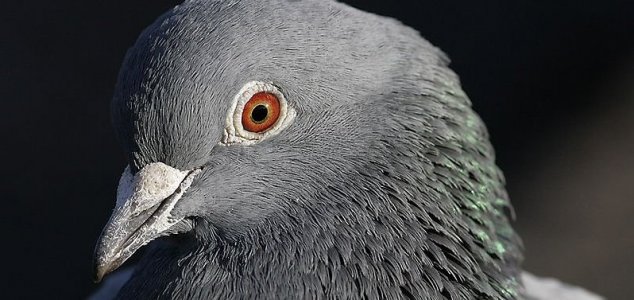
(143, 213)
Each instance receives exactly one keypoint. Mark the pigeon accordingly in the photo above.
(302, 149)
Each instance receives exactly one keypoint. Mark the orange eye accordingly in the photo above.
(260, 112)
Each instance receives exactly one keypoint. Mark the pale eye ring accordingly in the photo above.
(258, 111)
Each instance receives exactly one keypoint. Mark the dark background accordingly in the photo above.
(554, 80)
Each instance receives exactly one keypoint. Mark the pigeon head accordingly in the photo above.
(281, 137)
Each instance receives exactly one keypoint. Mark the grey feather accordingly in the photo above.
(552, 289)
(112, 285)
(383, 187)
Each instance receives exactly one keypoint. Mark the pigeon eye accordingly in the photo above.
(258, 111)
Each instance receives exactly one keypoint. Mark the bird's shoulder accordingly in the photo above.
(548, 288)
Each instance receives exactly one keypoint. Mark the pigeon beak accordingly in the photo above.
(143, 212)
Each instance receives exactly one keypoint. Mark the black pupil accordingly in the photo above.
(259, 113)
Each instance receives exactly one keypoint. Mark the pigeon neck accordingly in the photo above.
(300, 264)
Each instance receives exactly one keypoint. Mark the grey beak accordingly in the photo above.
(143, 213)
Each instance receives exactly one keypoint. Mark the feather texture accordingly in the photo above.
(383, 187)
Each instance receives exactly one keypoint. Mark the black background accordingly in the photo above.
(554, 80)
